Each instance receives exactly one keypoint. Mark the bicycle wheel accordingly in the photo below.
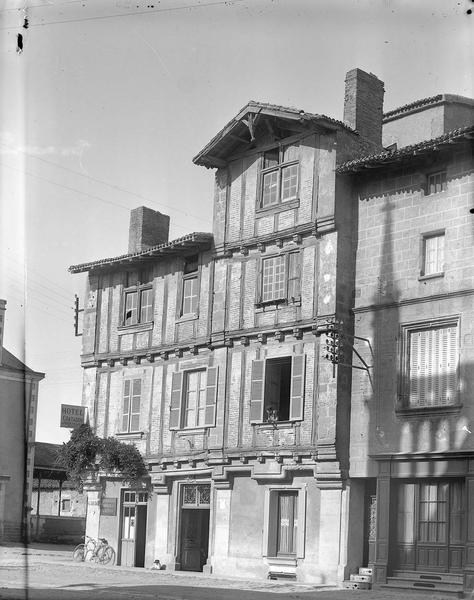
(89, 555)
(107, 556)
(78, 553)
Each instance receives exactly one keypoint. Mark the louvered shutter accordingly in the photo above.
(211, 397)
(433, 367)
(294, 277)
(297, 387)
(175, 402)
(126, 405)
(257, 391)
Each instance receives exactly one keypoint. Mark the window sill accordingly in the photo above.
(428, 410)
(274, 304)
(192, 430)
(132, 435)
(266, 426)
(431, 276)
(190, 317)
(136, 328)
(280, 207)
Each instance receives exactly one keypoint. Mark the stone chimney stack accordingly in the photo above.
(148, 228)
(363, 105)
(3, 304)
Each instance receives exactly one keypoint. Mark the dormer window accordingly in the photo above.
(279, 176)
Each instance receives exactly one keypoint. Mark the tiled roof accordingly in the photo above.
(413, 105)
(422, 147)
(205, 158)
(191, 240)
(11, 362)
(46, 455)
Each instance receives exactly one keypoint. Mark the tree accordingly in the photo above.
(86, 452)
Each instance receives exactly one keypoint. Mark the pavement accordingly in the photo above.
(47, 572)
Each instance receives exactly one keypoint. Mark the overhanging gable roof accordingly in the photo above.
(239, 131)
(193, 242)
(382, 159)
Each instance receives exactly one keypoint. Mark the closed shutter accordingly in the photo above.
(175, 402)
(294, 277)
(211, 397)
(433, 367)
(297, 387)
(257, 391)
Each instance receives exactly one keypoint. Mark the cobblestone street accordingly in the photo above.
(47, 572)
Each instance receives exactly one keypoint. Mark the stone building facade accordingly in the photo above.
(18, 409)
(210, 352)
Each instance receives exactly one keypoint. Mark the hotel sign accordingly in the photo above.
(72, 416)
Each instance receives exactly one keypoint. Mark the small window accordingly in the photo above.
(190, 291)
(277, 389)
(284, 521)
(193, 398)
(138, 298)
(279, 176)
(131, 405)
(280, 278)
(431, 365)
(66, 505)
(433, 254)
(436, 182)
(287, 523)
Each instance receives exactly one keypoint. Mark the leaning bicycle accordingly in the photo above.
(93, 550)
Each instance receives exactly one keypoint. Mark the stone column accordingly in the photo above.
(94, 496)
(220, 548)
(162, 526)
(382, 524)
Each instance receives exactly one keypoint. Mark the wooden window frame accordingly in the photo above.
(403, 405)
(277, 169)
(193, 275)
(178, 399)
(143, 285)
(289, 277)
(442, 173)
(257, 410)
(130, 413)
(439, 233)
(271, 517)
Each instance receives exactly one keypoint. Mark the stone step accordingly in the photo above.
(426, 576)
(365, 571)
(362, 578)
(355, 585)
(438, 590)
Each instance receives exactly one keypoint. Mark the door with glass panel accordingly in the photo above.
(133, 528)
(430, 526)
(287, 523)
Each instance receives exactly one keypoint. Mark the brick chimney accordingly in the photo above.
(147, 228)
(363, 105)
(3, 304)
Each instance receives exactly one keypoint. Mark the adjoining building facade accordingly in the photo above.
(18, 408)
(209, 353)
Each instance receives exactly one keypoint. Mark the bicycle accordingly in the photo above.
(94, 551)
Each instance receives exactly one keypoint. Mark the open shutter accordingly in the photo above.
(125, 405)
(211, 397)
(257, 390)
(297, 387)
(294, 277)
(175, 403)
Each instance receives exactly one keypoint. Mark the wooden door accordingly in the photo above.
(127, 542)
(430, 526)
(194, 538)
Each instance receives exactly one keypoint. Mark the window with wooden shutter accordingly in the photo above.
(175, 401)
(211, 397)
(280, 279)
(257, 390)
(432, 366)
(294, 277)
(131, 405)
(297, 387)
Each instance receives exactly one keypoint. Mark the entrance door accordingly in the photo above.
(430, 526)
(194, 530)
(133, 529)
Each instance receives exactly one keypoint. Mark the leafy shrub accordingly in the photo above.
(86, 452)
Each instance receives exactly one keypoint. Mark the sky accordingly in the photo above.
(109, 101)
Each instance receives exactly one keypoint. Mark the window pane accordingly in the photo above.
(190, 296)
(287, 522)
(434, 254)
(146, 310)
(273, 278)
(270, 188)
(201, 399)
(131, 308)
(289, 182)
